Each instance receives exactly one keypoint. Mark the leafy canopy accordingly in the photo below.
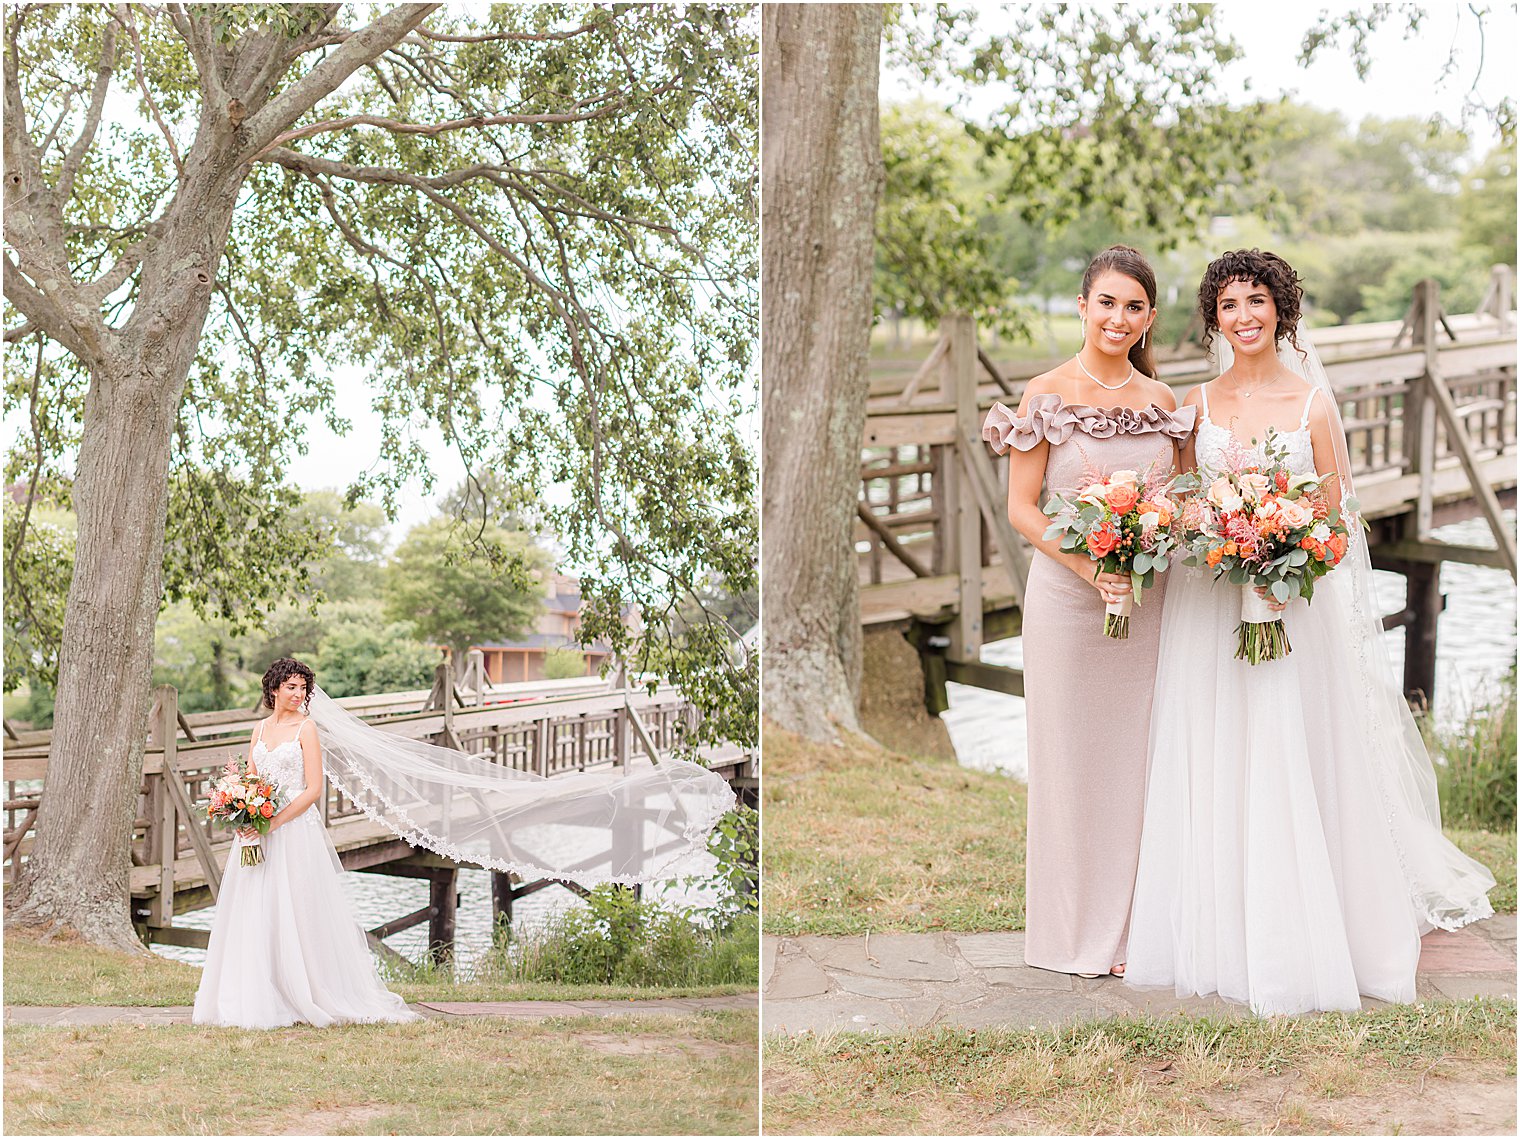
(534, 227)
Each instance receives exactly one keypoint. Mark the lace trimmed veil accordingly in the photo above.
(628, 826)
(1447, 888)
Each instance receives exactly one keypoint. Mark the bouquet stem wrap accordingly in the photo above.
(1260, 635)
(253, 852)
(1116, 617)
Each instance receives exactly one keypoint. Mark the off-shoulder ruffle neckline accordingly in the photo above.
(1051, 418)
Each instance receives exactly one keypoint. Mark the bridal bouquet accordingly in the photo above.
(241, 798)
(1266, 529)
(1124, 524)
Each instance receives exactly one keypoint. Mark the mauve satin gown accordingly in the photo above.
(1088, 697)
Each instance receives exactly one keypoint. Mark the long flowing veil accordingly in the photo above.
(626, 826)
(1448, 889)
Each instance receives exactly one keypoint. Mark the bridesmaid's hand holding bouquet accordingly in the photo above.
(1124, 523)
(1272, 532)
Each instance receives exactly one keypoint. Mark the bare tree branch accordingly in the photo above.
(21, 332)
(75, 156)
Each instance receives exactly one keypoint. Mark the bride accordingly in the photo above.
(1291, 855)
(285, 947)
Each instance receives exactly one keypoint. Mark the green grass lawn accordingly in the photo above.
(694, 1075)
(1416, 1069)
(858, 838)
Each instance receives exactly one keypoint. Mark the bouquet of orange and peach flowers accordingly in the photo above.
(243, 798)
(1124, 523)
(1270, 531)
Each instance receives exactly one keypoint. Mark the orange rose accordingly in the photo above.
(267, 810)
(1121, 499)
(241, 805)
(1231, 549)
(1337, 544)
(1101, 542)
(1214, 557)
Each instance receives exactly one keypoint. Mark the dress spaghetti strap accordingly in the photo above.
(1308, 403)
(1203, 392)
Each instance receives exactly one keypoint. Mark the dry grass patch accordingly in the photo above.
(65, 971)
(858, 838)
(473, 1077)
(1419, 1069)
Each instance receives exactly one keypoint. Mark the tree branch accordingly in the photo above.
(75, 156)
(363, 46)
(396, 126)
(125, 18)
(46, 313)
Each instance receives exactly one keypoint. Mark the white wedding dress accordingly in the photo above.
(1280, 864)
(285, 947)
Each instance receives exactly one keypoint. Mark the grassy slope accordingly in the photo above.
(581, 1076)
(857, 838)
(1431, 1069)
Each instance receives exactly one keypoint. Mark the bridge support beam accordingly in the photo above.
(1423, 603)
(443, 901)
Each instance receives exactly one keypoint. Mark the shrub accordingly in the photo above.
(1476, 765)
(618, 939)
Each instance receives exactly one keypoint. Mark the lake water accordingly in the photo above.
(1475, 647)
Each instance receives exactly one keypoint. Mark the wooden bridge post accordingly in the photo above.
(163, 726)
(443, 902)
(501, 904)
(966, 523)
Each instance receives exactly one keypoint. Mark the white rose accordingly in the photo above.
(1123, 478)
(1320, 533)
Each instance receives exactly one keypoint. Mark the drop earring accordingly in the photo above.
(1143, 335)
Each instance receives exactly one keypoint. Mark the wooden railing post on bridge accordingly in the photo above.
(965, 524)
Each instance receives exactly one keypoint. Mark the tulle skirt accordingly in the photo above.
(1268, 873)
(285, 948)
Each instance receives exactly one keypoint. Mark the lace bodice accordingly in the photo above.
(1215, 447)
(284, 764)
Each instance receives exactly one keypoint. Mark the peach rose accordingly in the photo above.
(1122, 498)
(1222, 494)
(267, 810)
(1101, 542)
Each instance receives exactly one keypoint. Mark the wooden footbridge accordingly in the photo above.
(547, 727)
(1429, 410)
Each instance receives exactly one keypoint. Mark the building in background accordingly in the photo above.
(507, 662)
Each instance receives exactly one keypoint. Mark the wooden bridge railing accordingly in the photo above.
(176, 852)
(1427, 422)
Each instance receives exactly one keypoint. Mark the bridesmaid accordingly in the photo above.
(1089, 696)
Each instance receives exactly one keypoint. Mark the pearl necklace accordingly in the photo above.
(1100, 383)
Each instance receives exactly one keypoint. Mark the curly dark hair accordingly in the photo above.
(1131, 263)
(281, 671)
(1255, 267)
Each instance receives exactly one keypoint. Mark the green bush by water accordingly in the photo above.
(616, 939)
(1477, 778)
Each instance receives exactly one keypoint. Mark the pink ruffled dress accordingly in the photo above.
(1088, 697)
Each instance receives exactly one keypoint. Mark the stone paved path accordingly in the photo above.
(892, 982)
(79, 1015)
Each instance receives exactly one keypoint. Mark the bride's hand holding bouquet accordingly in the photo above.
(1124, 523)
(1272, 532)
(244, 800)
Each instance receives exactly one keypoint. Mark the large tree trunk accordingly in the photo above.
(822, 174)
(77, 874)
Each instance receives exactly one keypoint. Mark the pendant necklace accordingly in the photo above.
(1100, 383)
